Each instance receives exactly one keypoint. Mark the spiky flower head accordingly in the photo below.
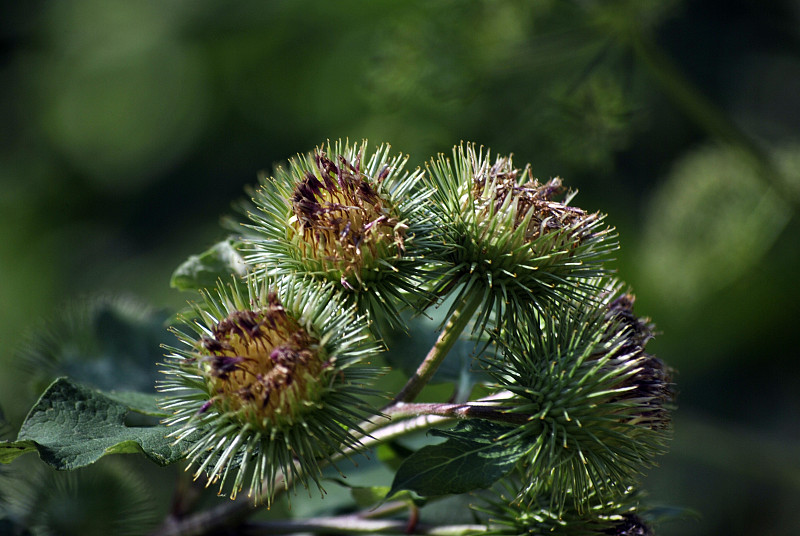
(270, 381)
(83, 341)
(102, 499)
(597, 404)
(509, 515)
(359, 220)
(511, 239)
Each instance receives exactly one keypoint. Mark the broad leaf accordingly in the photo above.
(470, 459)
(72, 426)
(144, 403)
(203, 271)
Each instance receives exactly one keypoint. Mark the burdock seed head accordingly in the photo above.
(514, 240)
(269, 383)
(263, 365)
(508, 514)
(598, 405)
(354, 218)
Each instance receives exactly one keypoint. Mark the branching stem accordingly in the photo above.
(353, 524)
(422, 416)
(705, 113)
(458, 411)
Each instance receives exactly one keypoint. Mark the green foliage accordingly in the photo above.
(470, 459)
(714, 217)
(218, 263)
(73, 426)
(272, 379)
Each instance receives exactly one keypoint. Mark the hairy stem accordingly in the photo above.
(423, 416)
(450, 334)
(353, 524)
(457, 411)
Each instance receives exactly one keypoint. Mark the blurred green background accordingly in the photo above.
(127, 129)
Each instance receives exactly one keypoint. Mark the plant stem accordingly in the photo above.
(458, 411)
(450, 334)
(423, 416)
(211, 521)
(231, 514)
(353, 524)
(426, 415)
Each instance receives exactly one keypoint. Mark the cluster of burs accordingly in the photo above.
(274, 379)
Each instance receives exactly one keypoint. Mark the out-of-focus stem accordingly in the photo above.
(705, 113)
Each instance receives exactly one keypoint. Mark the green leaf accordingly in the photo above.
(9, 450)
(202, 271)
(72, 426)
(144, 403)
(470, 459)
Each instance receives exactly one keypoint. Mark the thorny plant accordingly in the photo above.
(275, 377)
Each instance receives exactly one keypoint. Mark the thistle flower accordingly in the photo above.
(507, 515)
(511, 241)
(269, 382)
(340, 215)
(597, 404)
